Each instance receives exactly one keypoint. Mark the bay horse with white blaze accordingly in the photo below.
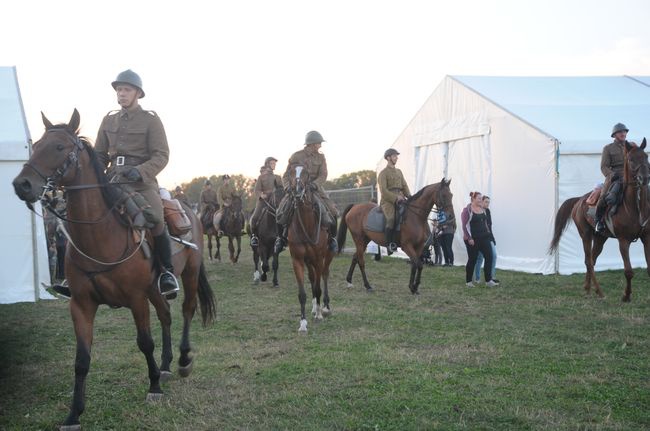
(105, 263)
(629, 223)
(412, 236)
(309, 245)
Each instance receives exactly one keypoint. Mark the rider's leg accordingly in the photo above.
(281, 240)
(166, 282)
(216, 221)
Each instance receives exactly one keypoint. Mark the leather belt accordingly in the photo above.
(126, 160)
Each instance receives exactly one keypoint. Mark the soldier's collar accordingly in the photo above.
(124, 112)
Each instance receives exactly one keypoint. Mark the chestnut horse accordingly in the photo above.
(309, 245)
(629, 223)
(104, 263)
(411, 237)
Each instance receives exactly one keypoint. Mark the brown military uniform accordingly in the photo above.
(266, 184)
(316, 166)
(226, 193)
(137, 139)
(391, 185)
(182, 197)
(208, 199)
(611, 162)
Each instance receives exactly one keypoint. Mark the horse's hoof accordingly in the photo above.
(186, 370)
(76, 427)
(416, 293)
(350, 285)
(165, 376)
(276, 285)
(327, 312)
(303, 326)
(153, 397)
(370, 289)
(263, 277)
(625, 299)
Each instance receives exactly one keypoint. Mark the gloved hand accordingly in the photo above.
(133, 175)
(313, 186)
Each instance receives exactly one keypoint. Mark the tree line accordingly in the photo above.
(246, 185)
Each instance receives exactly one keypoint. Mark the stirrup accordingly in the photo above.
(279, 245)
(333, 244)
(168, 293)
(392, 247)
(59, 290)
(219, 233)
(254, 241)
(600, 226)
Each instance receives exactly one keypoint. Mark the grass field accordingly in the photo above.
(533, 354)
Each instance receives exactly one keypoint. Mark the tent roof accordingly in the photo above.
(577, 111)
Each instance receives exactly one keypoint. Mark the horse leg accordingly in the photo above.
(238, 248)
(597, 248)
(299, 270)
(353, 264)
(217, 255)
(418, 277)
(587, 240)
(361, 260)
(645, 239)
(624, 247)
(83, 317)
(312, 281)
(274, 266)
(164, 316)
(316, 291)
(265, 265)
(231, 250)
(256, 262)
(140, 312)
(412, 287)
(210, 246)
(190, 287)
(327, 311)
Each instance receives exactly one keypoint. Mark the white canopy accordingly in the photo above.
(23, 263)
(529, 143)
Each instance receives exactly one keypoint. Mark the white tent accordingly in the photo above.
(529, 143)
(23, 256)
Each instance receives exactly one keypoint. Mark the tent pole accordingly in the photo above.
(557, 197)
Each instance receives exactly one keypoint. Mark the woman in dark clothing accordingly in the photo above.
(493, 245)
(446, 236)
(477, 236)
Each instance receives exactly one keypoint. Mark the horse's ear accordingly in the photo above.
(446, 181)
(73, 124)
(48, 124)
(643, 144)
(628, 146)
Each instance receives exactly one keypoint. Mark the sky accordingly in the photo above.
(237, 81)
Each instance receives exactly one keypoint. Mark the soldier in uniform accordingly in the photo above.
(611, 165)
(314, 162)
(225, 194)
(132, 144)
(208, 199)
(180, 195)
(394, 190)
(265, 186)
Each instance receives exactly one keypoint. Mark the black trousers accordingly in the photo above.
(482, 245)
(446, 240)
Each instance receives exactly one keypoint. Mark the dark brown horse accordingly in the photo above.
(232, 224)
(104, 263)
(629, 223)
(308, 244)
(413, 234)
(209, 230)
(267, 232)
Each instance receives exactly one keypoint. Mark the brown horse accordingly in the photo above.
(628, 224)
(308, 244)
(104, 263)
(267, 232)
(232, 224)
(209, 230)
(412, 236)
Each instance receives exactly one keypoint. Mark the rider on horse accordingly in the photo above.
(180, 195)
(394, 191)
(132, 144)
(225, 194)
(316, 166)
(265, 186)
(611, 165)
(208, 201)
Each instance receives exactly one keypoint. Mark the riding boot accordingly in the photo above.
(600, 223)
(390, 245)
(281, 240)
(61, 290)
(167, 283)
(333, 244)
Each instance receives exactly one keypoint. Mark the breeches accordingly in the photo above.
(153, 198)
(389, 213)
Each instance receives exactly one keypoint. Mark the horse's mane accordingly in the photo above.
(419, 193)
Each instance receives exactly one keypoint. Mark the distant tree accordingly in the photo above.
(352, 180)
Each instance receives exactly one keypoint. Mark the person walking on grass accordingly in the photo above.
(476, 235)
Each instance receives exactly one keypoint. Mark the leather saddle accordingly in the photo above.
(376, 220)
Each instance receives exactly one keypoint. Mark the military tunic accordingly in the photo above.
(391, 185)
(315, 164)
(612, 159)
(139, 137)
(266, 183)
(226, 193)
(208, 199)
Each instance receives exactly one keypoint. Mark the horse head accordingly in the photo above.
(637, 163)
(298, 181)
(444, 198)
(54, 160)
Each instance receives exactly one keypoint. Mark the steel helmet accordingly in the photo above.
(131, 78)
(313, 137)
(207, 183)
(269, 160)
(389, 152)
(179, 189)
(619, 127)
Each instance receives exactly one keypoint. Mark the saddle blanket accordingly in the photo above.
(376, 221)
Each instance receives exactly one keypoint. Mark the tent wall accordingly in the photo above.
(24, 253)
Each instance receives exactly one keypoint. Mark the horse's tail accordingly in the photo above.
(562, 221)
(206, 298)
(343, 229)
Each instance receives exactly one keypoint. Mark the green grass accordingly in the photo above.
(533, 354)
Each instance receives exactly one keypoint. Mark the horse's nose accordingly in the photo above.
(22, 187)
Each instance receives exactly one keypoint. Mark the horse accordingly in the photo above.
(267, 232)
(210, 231)
(628, 224)
(308, 245)
(105, 262)
(412, 236)
(233, 224)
